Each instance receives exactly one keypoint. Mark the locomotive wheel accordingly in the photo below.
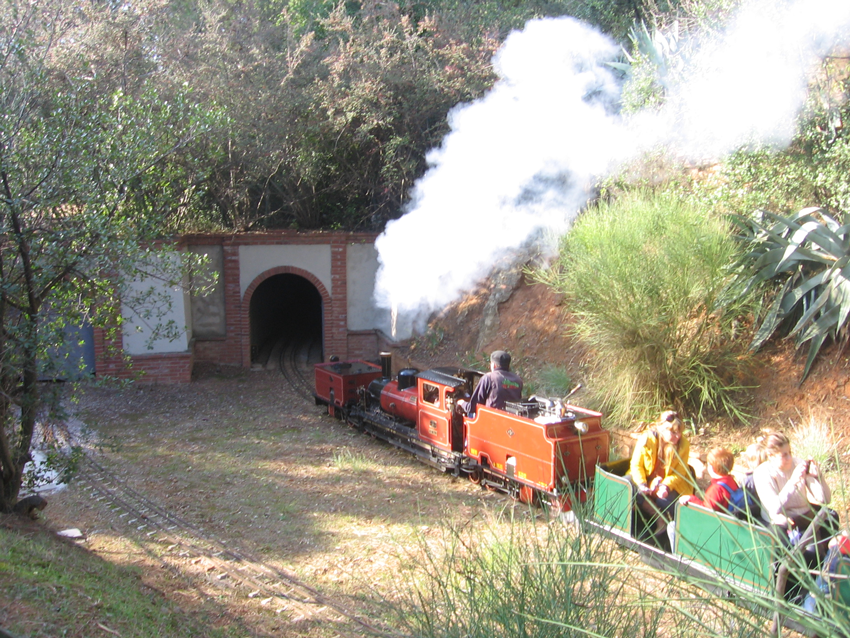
(525, 494)
(475, 477)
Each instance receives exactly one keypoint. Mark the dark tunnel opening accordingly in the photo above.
(284, 309)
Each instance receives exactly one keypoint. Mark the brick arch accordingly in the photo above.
(271, 272)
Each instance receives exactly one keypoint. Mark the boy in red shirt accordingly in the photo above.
(720, 462)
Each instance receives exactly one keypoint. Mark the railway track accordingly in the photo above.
(176, 542)
(295, 364)
(173, 541)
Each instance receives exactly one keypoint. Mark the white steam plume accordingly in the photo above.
(521, 160)
(749, 87)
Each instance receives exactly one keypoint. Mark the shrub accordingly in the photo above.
(645, 277)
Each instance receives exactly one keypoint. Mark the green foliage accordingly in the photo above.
(332, 107)
(553, 581)
(329, 128)
(808, 255)
(815, 439)
(73, 591)
(90, 167)
(661, 42)
(553, 381)
(645, 276)
(429, 342)
(812, 170)
(475, 360)
(647, 67)
(345, 459)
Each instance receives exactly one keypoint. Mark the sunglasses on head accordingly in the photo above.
(671, 416)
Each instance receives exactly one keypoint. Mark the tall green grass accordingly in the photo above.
(551, 581)
(645, 277)
(346, 459)
(814, 439)
(554, 580)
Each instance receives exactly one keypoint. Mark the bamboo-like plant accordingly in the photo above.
(808, 255)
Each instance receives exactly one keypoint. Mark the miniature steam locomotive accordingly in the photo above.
(539, 450)
(550, 452)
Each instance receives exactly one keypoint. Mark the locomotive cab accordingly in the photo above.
(438, 421)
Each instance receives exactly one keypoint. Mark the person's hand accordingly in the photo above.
(643, 488)
(683, 500)
(814, 470)
(663, 491)
(798, 476)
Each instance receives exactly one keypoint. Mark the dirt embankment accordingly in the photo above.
(531, 321)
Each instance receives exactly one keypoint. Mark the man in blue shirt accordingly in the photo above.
(497, 386)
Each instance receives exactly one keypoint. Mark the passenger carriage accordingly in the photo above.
(721, 552)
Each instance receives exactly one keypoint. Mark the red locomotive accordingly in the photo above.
(538, 450)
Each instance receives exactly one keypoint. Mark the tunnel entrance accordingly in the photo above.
(285, 313)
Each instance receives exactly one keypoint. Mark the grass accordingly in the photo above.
(346, 459)
(542, 581)
(554, 381)
(813, 439)
(283, 499)
(72, 593)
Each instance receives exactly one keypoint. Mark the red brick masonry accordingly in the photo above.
(235, 347)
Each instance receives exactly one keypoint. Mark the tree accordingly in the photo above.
(88, 164)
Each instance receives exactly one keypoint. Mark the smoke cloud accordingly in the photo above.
(519, 163)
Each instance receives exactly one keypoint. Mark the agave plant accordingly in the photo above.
(809, 252)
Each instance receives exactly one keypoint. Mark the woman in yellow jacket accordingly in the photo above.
(659, 469)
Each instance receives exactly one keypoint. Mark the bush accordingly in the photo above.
(645, 278)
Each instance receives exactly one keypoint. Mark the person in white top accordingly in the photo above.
(791, 489)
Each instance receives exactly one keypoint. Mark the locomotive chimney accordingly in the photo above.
(387, 365)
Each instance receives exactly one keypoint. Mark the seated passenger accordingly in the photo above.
(790, 490)
(839, 550)
(749, 460)
(720, 462)
(659, 470)
(497, 386)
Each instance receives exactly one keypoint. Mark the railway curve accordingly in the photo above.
(175, 541)
(170, 538)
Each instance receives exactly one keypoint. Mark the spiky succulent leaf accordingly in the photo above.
(809, 253)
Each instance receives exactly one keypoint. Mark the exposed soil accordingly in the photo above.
(252, 463)
(533, 324)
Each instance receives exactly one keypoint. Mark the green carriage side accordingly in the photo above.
(720, 552)
(717, 547)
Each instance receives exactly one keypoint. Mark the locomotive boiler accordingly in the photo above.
(538, 450)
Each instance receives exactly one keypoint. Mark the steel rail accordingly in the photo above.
(290, 354)
(167, 536)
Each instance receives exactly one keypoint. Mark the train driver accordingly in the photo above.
(497, 386)
(659, 469)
